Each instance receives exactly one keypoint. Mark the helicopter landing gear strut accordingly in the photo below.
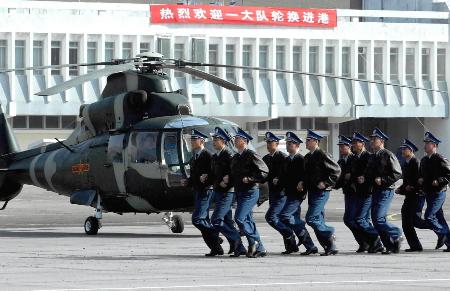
(174, 222)
(93, 223)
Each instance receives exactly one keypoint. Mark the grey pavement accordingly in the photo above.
(43, 247)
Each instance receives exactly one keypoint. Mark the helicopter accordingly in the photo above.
(129, 151)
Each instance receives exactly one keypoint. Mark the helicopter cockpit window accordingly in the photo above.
(170, 149)
(115, 147)
(142, 147)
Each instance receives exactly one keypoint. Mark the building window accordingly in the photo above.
(163, 47)
(441, 64)
(275, 124)
(20, 56)
(73, 57)
(246, 60)
(329, 60)
(263, 60)
(426, 64)
(52, 122)
(378, 63)
(55, 57)
(179, 54)
(230, 60)
(362, 63)
(109, 51)
(144, 47)
(394, 64)
(91, 55)
(290, 123)
(297, 60)
(213, 53)
(306, 123)
(313, 59)
(68, 121)
(199, 51)
(35, 122)
(3, 53)
(262, 125)
(127, 50)
(410, 64)
(281, 60)
(346, 61)
(38, 56)
(20, 122)
(321, 123)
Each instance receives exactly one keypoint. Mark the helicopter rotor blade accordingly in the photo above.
(182, 63)
(110, 63)
(85, 78)
(206, 76)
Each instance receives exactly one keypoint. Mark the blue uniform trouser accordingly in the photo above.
(363, 217)
(200, 217)
(290, 222)
(381, 202)
(352, 209)
(315, 217)
(222, 219)
(435, 216)
(244, 216)
(411, 218)
(276, 204)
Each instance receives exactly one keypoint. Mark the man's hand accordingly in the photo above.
(435, 183)
(420, 181)
(321, 185)
(184, 182)
(275, 181)
(226, 179)
(378, 181)
(397, 191)
(245, 180)
(300, 186)
(223, 184)
(409, 188)
(204, 178)
(347, 176)
(360, 179)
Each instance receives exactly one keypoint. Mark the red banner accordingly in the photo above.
(242, 15)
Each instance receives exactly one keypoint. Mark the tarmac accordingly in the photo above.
(43, 247)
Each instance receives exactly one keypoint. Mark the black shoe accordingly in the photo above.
(291, 245)
(252, 250)
(217, 251)
(329, 253)
(301, 239)
(260, 254)
(232, 248)
(447, 250)
(376, 247)
(238, 254)
(442, 239)
(387, 252)
(311, 251)
(364, 247)
(411, 250)
(397, 245)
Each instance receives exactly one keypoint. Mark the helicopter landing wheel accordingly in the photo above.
(91, 225)
(178, 224)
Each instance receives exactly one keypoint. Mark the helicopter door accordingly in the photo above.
(172, 170)
(115, 158)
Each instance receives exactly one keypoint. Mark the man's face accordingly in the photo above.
(344, 150)
(291, 147)
(376, 143)
(240, 143)
(196, 143)
(271, 146)
(218, 143)
(406, 152)
(430, 147)
(358, 146)
(311, 144)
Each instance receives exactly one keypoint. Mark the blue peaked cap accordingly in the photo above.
(269, 136)
(220, 133)
(243, 134)
(379, 134)
(359, 137)
(429, 137)
(410, 145)
(343, 140)
(292, 137)
(195, 134)
(313, 135)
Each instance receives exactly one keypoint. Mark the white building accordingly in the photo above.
(407, 47)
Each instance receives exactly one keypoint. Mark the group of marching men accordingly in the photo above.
(367, 180)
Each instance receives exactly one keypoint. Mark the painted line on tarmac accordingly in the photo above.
(390, 217)
(262, 284)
